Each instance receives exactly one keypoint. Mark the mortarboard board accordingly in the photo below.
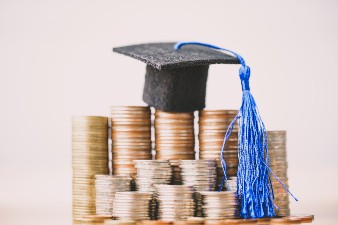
(175, 80)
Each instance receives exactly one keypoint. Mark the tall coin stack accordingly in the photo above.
(150, 173)
(106, 187)
(279, 165)
(176, 202)
(131, 137)
(213, 125)
(220, 205)
(89, 158)
(174, 135)
(132, 205)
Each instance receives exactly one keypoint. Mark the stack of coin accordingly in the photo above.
(220, 205)
(89, 158)
(120, 222)
(150, 173)
(213, 125)
(279, 165)
(92, 220)
(176, 178)
(154, 222)
(176, 202)
(190, 221)
(89, 221)
(231, 172)
(131, 137)
(201, 174)
(106, 187)
(132, 205)
(196, 220)
(174, 135)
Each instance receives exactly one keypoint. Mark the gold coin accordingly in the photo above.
(122, 135)
(85, 119)
(130, 108)
(305, 218)
(173, 127)
(93, 133)
(217, 111)
(130, 152)
(131, 129)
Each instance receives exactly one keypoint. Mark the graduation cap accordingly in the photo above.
(176, 76)
(175, 79)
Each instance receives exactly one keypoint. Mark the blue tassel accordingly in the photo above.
(254, 187)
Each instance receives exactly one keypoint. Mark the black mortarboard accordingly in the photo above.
(175, 79)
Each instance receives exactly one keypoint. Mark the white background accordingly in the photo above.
(56, 61)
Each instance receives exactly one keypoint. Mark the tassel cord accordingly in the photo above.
(254, 186)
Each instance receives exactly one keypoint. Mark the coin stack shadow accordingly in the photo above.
(131, 137)
(174, 135)
(213, 125)
(220, 205)
(106, 188)
(279, 165)
(176, 202)
(176, 178)
(89, 158)
(201, 174)
(133, 205)
(150, 173)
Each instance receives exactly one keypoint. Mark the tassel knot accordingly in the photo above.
(244, 74)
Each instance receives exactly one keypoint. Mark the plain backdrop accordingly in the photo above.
(56, 61)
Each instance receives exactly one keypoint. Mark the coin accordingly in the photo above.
(106, 186)
(151, 172)
(174, 135)
(89, 157)
(220, 205)
(175, 202)
(120, 222)
(305, 218)
(279, 165)
(132, 205)
(213, 125)
(131, 137)
(201, 174)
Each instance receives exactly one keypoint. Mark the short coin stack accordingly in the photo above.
(220, 205)
(131, 137)
(89, 158)
(132, 205)
(175, 202)
(174, 135)
(150, 173)
(279, 165)
(106, 187)
(213, 125)
(201, 174)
